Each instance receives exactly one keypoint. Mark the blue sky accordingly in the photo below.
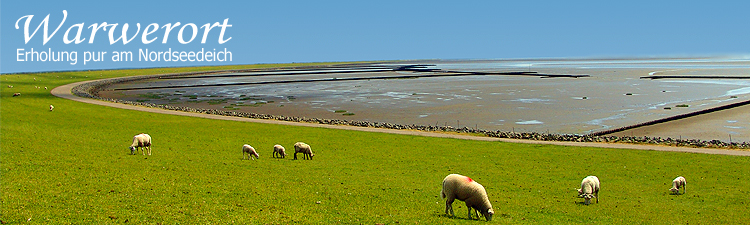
(307, 31)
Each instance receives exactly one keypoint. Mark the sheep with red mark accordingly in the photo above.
(142, 141)
(248, 151)
(463, 188)
(678, 183)
(279, 150)
(589, 189)
(303, 148)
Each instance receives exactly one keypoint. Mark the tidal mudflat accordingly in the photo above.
(614, 94)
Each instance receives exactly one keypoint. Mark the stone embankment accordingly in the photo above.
(90, 90)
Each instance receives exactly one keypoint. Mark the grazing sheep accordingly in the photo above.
(304, 149)
(472, 193)
(51, 108)
(278, 149)
(142, 141)
(16, 94)
(10, 86)
(678, 183)
(248, 151)
(589, 189)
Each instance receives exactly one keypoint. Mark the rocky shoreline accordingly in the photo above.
(90, 90)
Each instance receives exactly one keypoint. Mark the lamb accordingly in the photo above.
(589, 189)
(248, 151)
(304, 149)
(678, 183)
(278, 149)
(51, 108)
(463, 188)
(142, 141)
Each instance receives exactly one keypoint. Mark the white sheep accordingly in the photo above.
(304, 149)
(589, 189)
(278, 149)
(51, 108)
(142, 141)
(678, 183)
(463, 188)
(248, 151)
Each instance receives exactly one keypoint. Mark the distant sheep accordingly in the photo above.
(304, 149)
(463, 188)
(248, 151)
(589, 189)
(16, 94)
(142, 141)
(678, 183)
(51, 107)
(278, 149)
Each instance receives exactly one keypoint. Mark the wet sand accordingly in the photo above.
(614, 96)
(727, 125)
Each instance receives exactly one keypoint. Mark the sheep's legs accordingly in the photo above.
(597, 197)
(449, 206)
(476, 212)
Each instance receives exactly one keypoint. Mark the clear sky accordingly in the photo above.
(315, 31)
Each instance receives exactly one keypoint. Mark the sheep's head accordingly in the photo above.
(488, 214)
(674, 190)
(132, 150)
(580, 192)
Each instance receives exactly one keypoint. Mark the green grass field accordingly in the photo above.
(72, 165)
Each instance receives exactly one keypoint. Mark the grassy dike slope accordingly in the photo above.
(72, 166)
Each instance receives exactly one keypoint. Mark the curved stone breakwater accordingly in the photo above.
(90, 90)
